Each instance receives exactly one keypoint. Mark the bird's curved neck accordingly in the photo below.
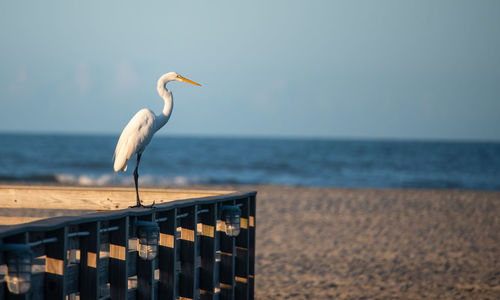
(166, 95)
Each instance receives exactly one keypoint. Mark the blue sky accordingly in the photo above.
(336, 69)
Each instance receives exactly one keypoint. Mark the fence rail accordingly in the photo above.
(95, 256)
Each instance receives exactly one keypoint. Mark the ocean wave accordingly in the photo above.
(101, 180)
(84, 179)
(107, 179)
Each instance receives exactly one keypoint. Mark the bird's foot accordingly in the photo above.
(139, 205)
(152, 205)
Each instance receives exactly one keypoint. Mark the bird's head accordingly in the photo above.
(172, 76)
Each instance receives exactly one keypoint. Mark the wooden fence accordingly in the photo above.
(94, 256)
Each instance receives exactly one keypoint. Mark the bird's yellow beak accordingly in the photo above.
(187, 80)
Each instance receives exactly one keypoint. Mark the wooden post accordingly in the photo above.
(167, 287)
(118, 255)
(55, 264)
(207, 222)
(89, 261)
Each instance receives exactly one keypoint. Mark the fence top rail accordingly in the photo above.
(90, 198)
(54, 223)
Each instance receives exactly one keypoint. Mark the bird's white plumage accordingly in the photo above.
(134, 138)
(141, 128)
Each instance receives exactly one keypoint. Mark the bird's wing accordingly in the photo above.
(134, 138)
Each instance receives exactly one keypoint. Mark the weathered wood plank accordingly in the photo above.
(17, 220)
(90, 198)
(20, 215)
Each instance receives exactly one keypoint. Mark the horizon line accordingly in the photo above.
(263, 136)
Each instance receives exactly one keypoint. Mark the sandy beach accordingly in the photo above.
(315, 243)
(326, 243)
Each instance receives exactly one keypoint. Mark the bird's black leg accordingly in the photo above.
(136, 177)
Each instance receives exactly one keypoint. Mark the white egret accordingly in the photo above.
(140, 129)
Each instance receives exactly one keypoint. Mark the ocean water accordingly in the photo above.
(87, 160)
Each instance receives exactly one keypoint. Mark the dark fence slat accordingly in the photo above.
(131, 264)
(118, 254)
(37, 284)
(131, 294)
(242, 256)
(145, 272)
(167, 260)
(227, 264)
(188, 277)
(89, 261)
(207, 223)
(251, 246)
(103, 272)
(55, 265)
(72, 279)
